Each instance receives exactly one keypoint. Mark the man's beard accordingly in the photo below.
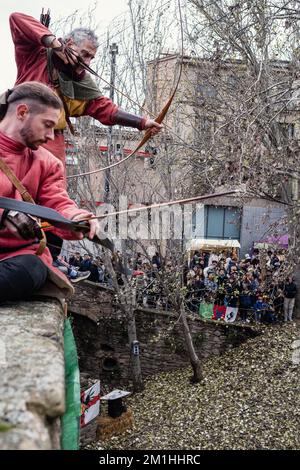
(28, 136)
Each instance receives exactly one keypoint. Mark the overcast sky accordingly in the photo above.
(105, 12)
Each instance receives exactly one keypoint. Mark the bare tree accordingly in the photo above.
(140, 182)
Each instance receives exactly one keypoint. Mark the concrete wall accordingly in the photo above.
(32, 385)
(199, 227)
(260, 218)
(256, 223)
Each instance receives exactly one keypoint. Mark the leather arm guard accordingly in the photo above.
(130, 120)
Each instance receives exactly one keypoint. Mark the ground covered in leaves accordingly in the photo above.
(249, 399)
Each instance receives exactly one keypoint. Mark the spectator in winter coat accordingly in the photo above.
(210, 284)
(211, 269)
(290, 291)
(259, 308)
(70, 270)
(245, 303)
(86, 263)
(75, 259)
(156, 260)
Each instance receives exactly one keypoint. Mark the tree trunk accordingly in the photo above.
(294, 239)
(135, 363)
(194, 359)
(297, 281)
(262, 263)
(127, 301)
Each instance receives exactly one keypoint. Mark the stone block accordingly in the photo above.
(32, 374)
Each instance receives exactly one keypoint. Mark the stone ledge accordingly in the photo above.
(32, 386)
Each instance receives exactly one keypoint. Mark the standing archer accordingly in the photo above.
(40, 56)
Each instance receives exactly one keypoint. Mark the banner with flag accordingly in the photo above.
(230, 314)
(206, 310)
(90, 404)
(219, 312)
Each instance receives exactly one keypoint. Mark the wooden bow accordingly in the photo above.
(159, 119)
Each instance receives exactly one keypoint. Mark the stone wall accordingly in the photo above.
(100, 330)
(32, 385)
(104, 350)
(256, 223)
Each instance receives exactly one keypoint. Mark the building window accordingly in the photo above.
(222, 222)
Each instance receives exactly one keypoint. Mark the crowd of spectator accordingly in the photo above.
(251, 287)
(79, 268)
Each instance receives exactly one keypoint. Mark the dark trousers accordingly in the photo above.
(54, 244)
(21, 276)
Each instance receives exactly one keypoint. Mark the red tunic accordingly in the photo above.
(43, 176)
(31, 60)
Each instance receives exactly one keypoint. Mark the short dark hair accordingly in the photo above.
(36, 94)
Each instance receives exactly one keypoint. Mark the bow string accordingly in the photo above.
(159, 119)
